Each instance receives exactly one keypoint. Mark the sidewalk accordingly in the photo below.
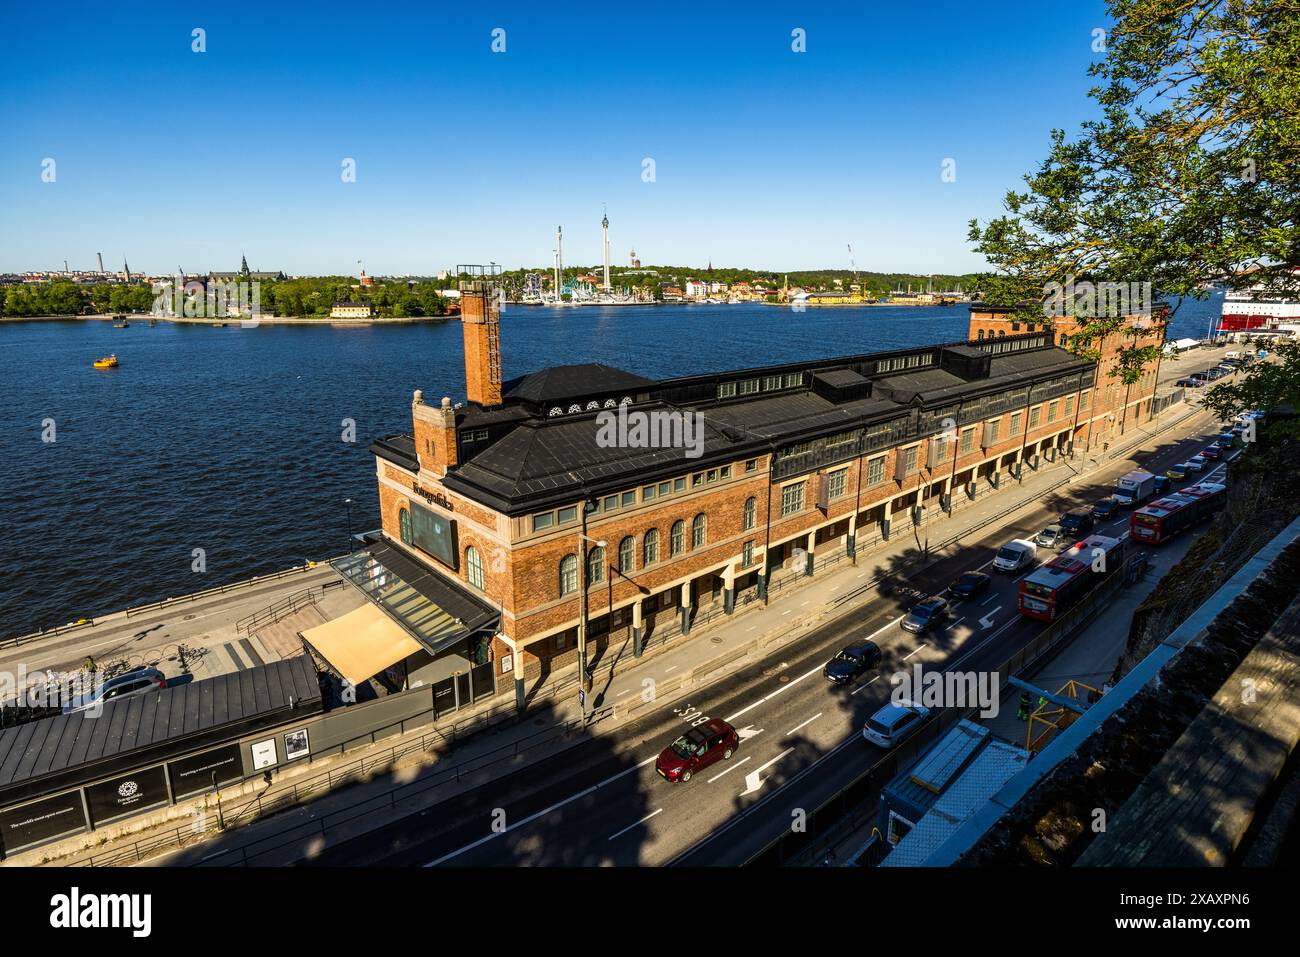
(722, 646)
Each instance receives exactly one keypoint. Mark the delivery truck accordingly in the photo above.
(1135, 487)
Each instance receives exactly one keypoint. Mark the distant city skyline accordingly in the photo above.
(137, 147)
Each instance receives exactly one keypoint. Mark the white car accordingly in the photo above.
(894, 722)
(1196, 463)
(1014, 555)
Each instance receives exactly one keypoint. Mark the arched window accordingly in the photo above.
(568, 574)
(1064, 340)
(404, 525)
(595, 565)
(474, 567)
(980, 334)
(698, 531)
(676, 538)
(650, 547)
(751, 512)
(626, 555)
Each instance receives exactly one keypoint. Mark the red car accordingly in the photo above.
(714, 740)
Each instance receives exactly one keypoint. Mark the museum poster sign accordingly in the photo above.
(41, 821)
(193, 775)
(129, 794)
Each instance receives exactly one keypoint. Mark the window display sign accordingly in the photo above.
(129, 794)
(193, 775)
(41, 821)
(264, 754)
(296, 744)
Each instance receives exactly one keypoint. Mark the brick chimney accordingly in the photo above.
(480, 322)
(435, 434)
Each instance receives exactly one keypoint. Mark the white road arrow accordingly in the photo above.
(987, 620)
(753, 781)
(746, 733)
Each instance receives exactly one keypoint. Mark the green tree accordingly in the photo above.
(1266, 386)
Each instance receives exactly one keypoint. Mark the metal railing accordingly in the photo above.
(284, 607)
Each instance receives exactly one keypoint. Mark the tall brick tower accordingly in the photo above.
(480, 319)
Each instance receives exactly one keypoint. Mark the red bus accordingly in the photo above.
(1166, 517)
(1056, 586)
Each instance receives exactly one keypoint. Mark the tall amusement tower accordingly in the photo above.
(604, 232)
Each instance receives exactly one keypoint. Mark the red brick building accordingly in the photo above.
(504, 499)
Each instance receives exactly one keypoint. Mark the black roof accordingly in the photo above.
(47, 755)
(567, 382)
(545, 450)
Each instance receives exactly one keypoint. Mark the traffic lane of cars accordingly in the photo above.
(990, 621)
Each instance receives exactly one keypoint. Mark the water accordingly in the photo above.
(230, 440)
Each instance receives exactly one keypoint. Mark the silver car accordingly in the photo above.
(1053, 536)
(134, 682)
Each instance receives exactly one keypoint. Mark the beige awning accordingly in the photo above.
(362, 643)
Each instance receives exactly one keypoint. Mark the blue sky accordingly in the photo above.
(763, 157)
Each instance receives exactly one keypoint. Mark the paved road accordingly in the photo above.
(601, 803)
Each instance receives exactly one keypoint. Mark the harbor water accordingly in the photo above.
(212, 454)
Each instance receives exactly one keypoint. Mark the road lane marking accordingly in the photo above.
(987, 600)
(955, 623)
(804, 725)
(542, 813)
(867, 685)
(630, 826)
(752, 780)
(909, 654)
(729, 770)
(792, 682)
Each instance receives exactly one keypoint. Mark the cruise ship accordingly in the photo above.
(1253, 308)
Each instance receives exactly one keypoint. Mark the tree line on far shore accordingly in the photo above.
(311, 296)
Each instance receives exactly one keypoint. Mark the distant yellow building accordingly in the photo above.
(352, 310)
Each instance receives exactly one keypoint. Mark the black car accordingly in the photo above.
(968, 585)
(1105, 508)
(852, 661)
(926, 615)
(1160, 485)
(1077, 522)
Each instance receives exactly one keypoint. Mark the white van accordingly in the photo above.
(1014, 555)
(1233, 354)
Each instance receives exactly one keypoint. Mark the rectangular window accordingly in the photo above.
(875, 471)
(569, 514)
(991, 432)
(679, 485)
(611, 502)
(697, 479)
(751, 465)
(629, 499)
(543, 521)
(907, 461)
(713, 475)
(1034, 415)
(747, 555)
(793, 379)
(665, 488)
(836, 483)
(967, 440)
(792, 499)
(749, 387)
(647, 493)
(1051, 411)
(1015, 423)
(725, 471)
(726, 390)
(771, 382)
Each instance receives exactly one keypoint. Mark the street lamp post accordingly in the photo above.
(584, 678)
(348, 503)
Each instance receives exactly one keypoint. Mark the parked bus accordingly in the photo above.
(1166, 517)
(1057, 585)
